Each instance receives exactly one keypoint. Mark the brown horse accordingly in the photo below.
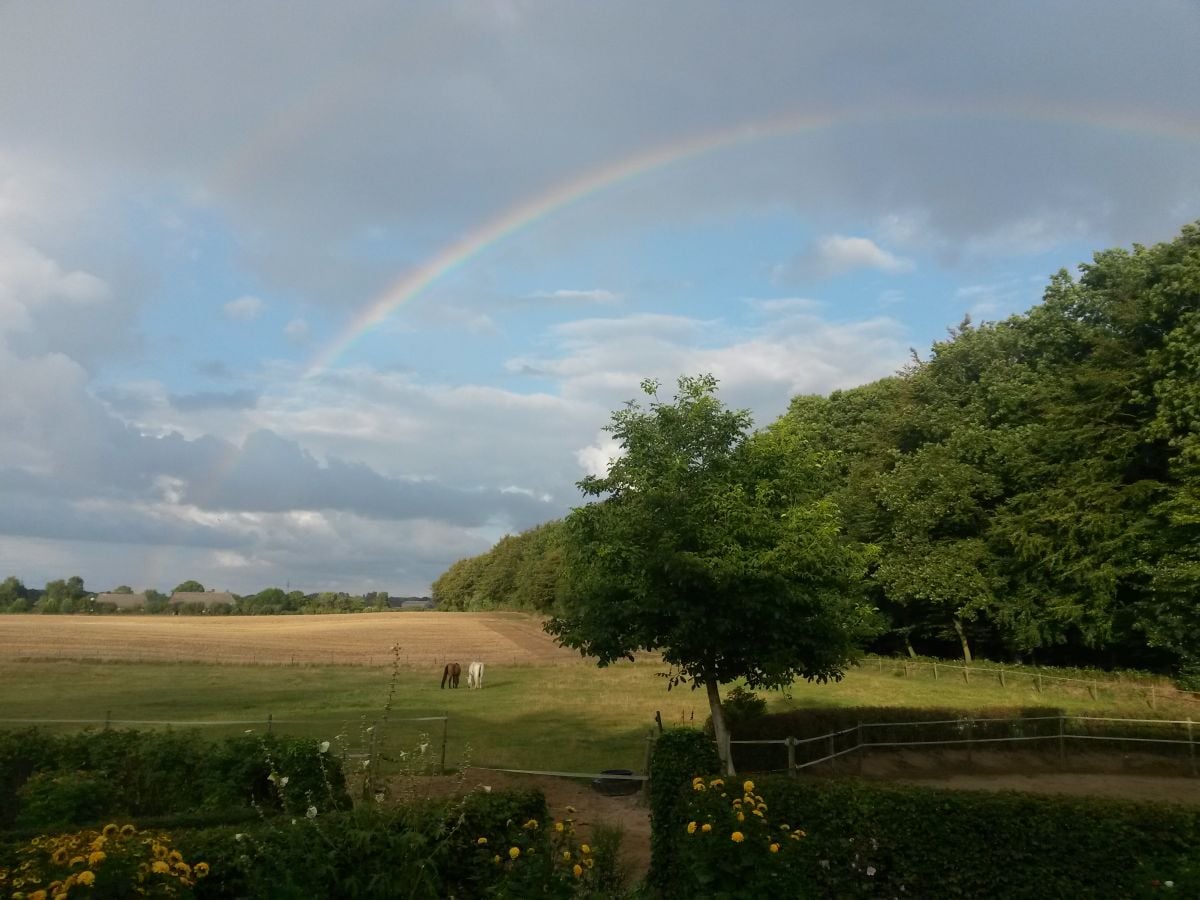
(451, 673)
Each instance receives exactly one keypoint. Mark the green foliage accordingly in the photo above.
(869, 840)
(57, 800)
(522, 571)
(714, 547)
(679, 755)
(189, 587)
(160, 774)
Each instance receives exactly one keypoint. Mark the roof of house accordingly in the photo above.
(208, 598)
(122, 601)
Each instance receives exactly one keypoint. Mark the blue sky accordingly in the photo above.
(196, 201)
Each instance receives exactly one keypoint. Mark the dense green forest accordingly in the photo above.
(1030, 489)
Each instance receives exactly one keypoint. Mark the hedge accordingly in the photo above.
(57, 781)
(863, 839)
(679, 754)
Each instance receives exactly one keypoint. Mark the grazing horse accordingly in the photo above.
(451, 673)
(475, 675)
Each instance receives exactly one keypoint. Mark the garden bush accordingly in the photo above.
(157, 775)
(679, 754)
(816, 838)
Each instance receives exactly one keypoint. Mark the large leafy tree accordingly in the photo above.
(714, 546)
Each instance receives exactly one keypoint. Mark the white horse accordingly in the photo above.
(475, 675)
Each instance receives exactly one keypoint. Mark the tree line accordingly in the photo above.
(1028, 489)
(67, 596)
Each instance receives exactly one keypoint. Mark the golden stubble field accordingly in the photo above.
(365, 639)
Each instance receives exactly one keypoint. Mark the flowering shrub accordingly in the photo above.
(533, 858)
(731, 841)
(116, 861)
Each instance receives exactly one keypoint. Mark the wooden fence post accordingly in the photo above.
(107, 719)
(1038, 682)
(966, 674)
(270, 717)
(935, 678)
(1153, 699)
(791, 755)
(880, 660)
(832, 750)
(445, 728)
(649, 756)
(1002, 684)
(1092, 689)
(1191, 745)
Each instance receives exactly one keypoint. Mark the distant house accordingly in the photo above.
(206, 599)
(123, 601)
(410, 603)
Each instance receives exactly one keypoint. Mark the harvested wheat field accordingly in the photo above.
(425, 638)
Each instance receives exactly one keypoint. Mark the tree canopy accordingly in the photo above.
(714, 546)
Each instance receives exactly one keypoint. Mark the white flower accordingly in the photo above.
(271, 777)
(870, 870)
(312, 812)
(324, 748)
(366, 764)
(423, 747)
(239, 836)
(283, 781)
(1169, 884)
(379, 797)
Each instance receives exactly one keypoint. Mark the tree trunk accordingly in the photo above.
(909, 647)
(720, 729)
(962, 636)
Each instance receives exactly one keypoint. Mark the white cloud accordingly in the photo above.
(297, 331)
(596, 295)
(837, 253)
(595, 458)
(244, 309)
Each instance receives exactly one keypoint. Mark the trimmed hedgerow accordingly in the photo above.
(852, 838)
(679, 755)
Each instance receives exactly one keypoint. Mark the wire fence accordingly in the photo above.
(1152, 692)
(1176, 738)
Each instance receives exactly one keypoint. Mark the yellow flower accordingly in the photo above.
(558, 826)
(60, 857)
(697, 779)
(774, 848)
(578, 870)
(589, 862)
(566, 856)
(481, 841)
(697, 785)
(532, 823)
(87, 878)
(514, 852)
(183, 869)
(38, 895)
(691, 827)
(584, 848)
(748, 787)
(77, 861)
(201, 869)
(784, 827)
(158, 850)
(496, 859)
(706, 828)
(762, 806)
(97, 857)
(737, 837)
(174, 857)
(110, 830)
(159, 867)
(737, 802)
(716, 783)
(741, 817)
(127, 830)
(757, 812)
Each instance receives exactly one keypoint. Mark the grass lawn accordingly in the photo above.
(571, 717)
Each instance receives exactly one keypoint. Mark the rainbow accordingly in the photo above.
(560, 196)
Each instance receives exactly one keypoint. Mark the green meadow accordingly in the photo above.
(572, 717)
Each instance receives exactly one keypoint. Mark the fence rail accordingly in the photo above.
(967, 736)
(1151, 691)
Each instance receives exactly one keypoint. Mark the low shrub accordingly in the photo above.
(679, 754)
(815, 838)
(53, 781)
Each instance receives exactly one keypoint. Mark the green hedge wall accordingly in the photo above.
(868, 840)
(679, 754)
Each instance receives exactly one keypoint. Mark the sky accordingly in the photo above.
(331, 295)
